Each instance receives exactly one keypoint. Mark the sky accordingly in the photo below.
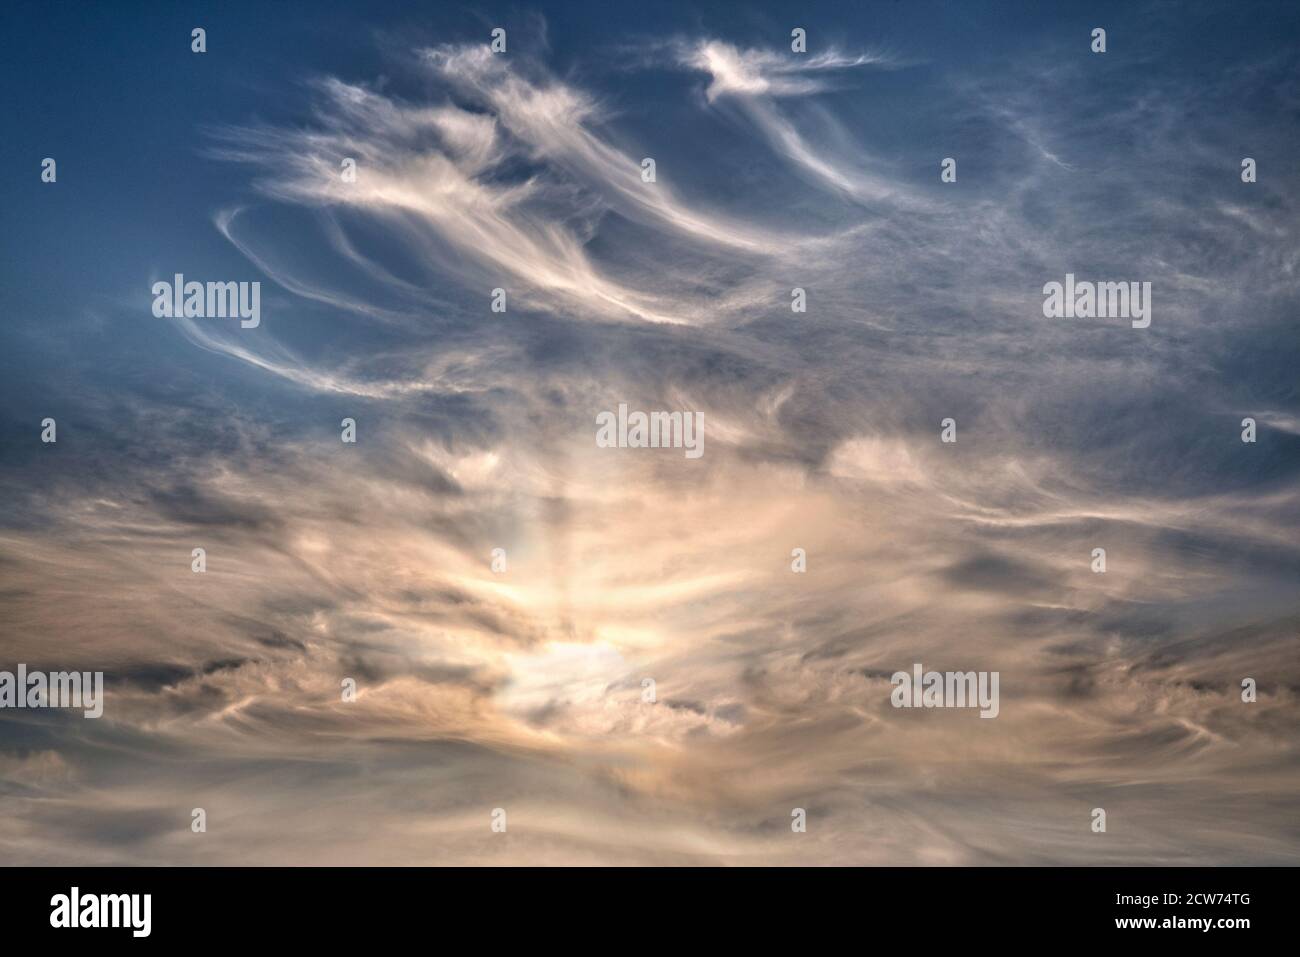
(523, 688)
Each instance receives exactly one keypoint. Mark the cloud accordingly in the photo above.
(755, 79)
(523, 688)
(736, 72)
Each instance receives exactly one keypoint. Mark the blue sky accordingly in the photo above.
(522, 688)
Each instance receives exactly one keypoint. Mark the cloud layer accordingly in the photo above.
(524, 690)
